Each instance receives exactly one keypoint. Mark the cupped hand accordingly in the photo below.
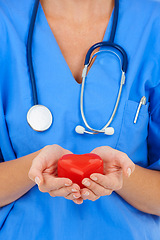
(116, 165)
(43, 172)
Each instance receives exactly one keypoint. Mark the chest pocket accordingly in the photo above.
(133, 136)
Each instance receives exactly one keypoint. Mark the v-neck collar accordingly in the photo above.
(58, 50)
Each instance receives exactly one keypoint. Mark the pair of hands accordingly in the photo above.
(43, 172)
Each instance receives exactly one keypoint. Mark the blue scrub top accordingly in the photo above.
(36, 215)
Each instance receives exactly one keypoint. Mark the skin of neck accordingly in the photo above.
(79, 11)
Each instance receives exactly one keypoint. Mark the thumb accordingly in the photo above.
(127, 165)
(35, 172)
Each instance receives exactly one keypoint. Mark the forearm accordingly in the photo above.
(142, 190)
(14, 180)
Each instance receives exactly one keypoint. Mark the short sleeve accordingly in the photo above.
(154, 119)
(154, 131)
(1, 157)
(2, 54)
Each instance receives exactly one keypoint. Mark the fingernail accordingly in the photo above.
(94, 178)
(68, 184)
(86, 183)
(75, 196)
(37, 180)
(78, 202)
(86, 193)
(74, 190)
(129, 171)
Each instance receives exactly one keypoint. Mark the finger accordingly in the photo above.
(88, 195)
(97, 189)
(78, 201)
(109, 182)
(73, 196)
(35, 172)
(72, 192)
(125, 163)
(52, 183)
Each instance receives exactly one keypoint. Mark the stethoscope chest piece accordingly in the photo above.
(39, 118)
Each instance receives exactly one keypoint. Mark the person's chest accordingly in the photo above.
(75, 39)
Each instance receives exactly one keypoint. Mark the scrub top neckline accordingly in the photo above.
(105, 38)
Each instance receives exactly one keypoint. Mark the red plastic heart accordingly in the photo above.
(78, 167)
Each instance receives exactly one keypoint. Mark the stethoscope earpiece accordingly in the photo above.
(80, 130)
(107, 131)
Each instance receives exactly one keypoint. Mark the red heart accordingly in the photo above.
(78, 167)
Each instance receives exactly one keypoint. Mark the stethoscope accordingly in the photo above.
(39, 116)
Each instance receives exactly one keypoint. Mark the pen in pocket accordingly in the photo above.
(142, 102)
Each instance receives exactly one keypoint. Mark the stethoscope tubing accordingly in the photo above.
(122, 82)
(112, 46)
(115, 21)
(124, 65)
(29, 53)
